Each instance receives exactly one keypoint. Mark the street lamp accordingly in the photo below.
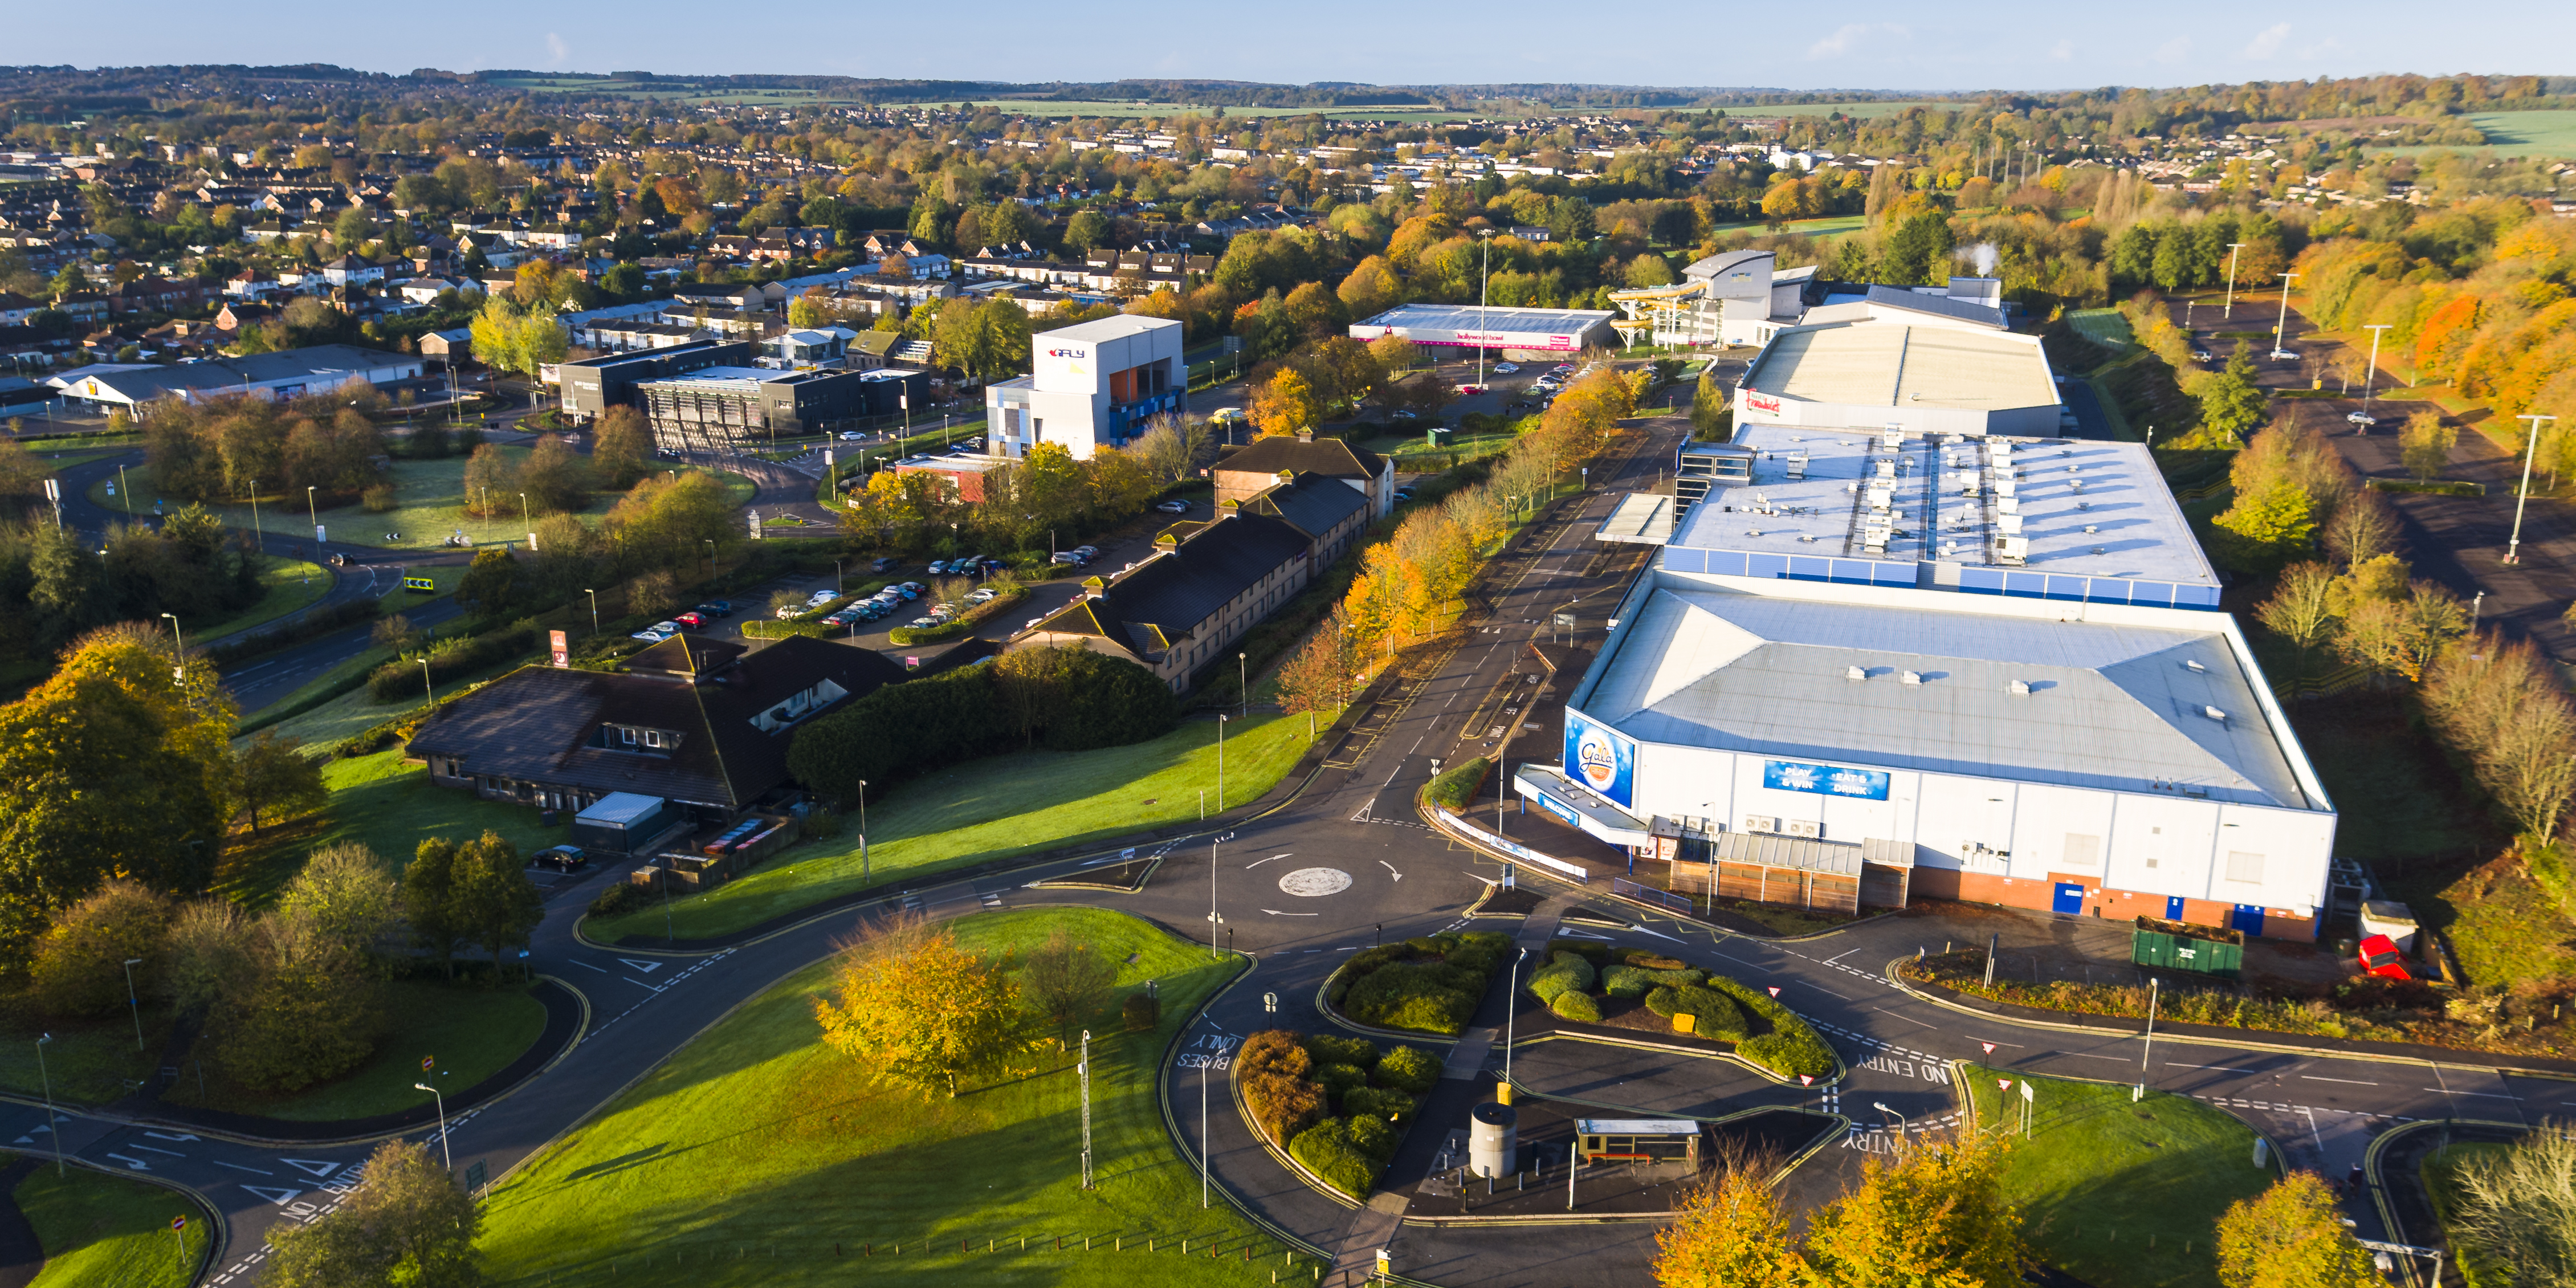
(2513, 548)
(1881, 1106)
(2371, 372)
(1214, 921)
(2280, 328)
(594, 609)
(443, 1153)
(2155, 990)
(178, 649)
(1220, 762)
(2232, 248)
(48, 1081)
(525, 523)
(1511, 1009)
(1484, 284)
(428, 689)
(132, 1001)
(315, 516)
(863, 832)
(1243, 680)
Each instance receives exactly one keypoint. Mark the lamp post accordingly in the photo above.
(2155, 990)
(2369, 374)
(133, 1001)
(863, 832)
(256, 543)
(2232, 248)
(428, 689)
(48, 1082)
(2281, 328)
(525, 523)
(2522, 495)
(1484, 284)
(1213, 920)
(178, 649)
(1511, 1010)
(1243, 680)
(594, 609)
(1881, 1106)
(443, 1153)
(1220, 762)
(315, 515)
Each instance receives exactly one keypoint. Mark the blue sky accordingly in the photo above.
(1868, 44)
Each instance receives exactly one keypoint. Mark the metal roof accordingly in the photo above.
(1642, 517)
(1891, 364)
(1468, 317)
(1636, 1126)
(2068, 701)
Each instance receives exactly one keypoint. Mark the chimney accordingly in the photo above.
(1306, 435)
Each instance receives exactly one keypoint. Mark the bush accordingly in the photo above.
(1649, 959)
(1591, 950)
(1377, 1102)
(1637, 981)
(80, 963)
(625, 896)
(1456, 786)
(1790, 1048)
(1141, 1012)
(1712, 1015)
(1333, 1152)
(1339, 1078)
(379, 499)
(1331, 1048)
(1578, 1007)
(1409, 1069)
(1409, 995)
(1272, 1069)
(1567, 971)
(764, 628)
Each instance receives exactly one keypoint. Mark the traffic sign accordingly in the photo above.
(475, 1174)
(428, 1062)
(178, 1223)
(1989, 1046)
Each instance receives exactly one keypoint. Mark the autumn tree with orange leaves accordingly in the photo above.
(921, 1009)
(1936, 1216)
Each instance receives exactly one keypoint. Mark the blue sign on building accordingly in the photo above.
(1600, 759)
(1824, 780)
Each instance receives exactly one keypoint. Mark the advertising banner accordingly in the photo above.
(1600, 759)
(1824, 780)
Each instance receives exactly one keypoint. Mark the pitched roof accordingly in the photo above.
(539, 723)
(1170, 595)
(1282, 453)
(1312, 503)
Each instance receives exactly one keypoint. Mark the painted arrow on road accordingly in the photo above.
(1276, 913)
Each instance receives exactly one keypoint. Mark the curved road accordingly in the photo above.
(1356, 818)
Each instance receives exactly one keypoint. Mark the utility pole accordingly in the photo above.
(2155, 990)
(1084, 1069)
(2370, 373)
(2522, 495)
(2232, 248)
(2282, 327)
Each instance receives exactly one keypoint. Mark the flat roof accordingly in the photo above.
(1636, 1126)
(620, 808)
(1887, 364)
(1116, 328)
(1468, 317)
(2125, 700)
(2086, 508)
(1643, 517)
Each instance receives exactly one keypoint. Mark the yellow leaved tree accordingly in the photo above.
(921, 1008)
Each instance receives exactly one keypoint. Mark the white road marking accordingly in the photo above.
(149, 1150)
(1907, 1018)
(1276, 913)
(2309, 1077)
(646, 967)
(2220, 1068)
(579, 962)
(239, 1168)
(1258, 862)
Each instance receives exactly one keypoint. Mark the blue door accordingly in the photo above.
(2070, 898)
(2173, 908)
(2248, 918)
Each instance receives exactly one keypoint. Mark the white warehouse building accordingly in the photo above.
(1817, 667)
(1092, 385)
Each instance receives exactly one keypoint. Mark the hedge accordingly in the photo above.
(1272, 1067)
(960, 626)
(1346, 1152)
(1410, 1069)
(392, 682)
(1576, 1006)
(1635, 981)
(1429, 985)
(770, 629)
(1378, 1102)
(1568, 972)
(1329, 1048)
(1712, 1015)
(1455, 787)
(1790, 1048)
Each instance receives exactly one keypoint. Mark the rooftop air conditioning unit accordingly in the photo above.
(1854, 673)
(1910, 677)
(1805, 828)
(1761, 823)
(2020, 688)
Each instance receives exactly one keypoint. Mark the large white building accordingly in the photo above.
(1980, 668)
(1091, 386)
(1515, 331)
(1897, 359)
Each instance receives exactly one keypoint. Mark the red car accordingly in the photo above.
(691, 620)
(2379, 956)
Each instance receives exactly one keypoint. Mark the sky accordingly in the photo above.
(1859, 44)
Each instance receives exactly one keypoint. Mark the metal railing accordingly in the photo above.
(1649, 894)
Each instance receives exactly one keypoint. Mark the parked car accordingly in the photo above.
(562, 858)
(925, 623)
(1031, 624)
(2200, 355)
(1404, 413)
(2379, 956)
(938, 567)
(822, 596)
(888, 564)
(1404, 494)
(1065, 557)
(1174, 507)
(693, 620)
(1506, 368)
(981, 596)
(719, 609)
(1470, 391)
(651, 635)
(2362, 418)
(911, 588)
(786, 611)
(2285, 355)
(1087, 552)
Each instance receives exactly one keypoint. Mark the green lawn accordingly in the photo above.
(90, 1061)
(754, 1151)
(1828, 226)
(293, 586)
(109, 1232)
(2547, 133)
(472, 1031)
(2120, 1195)
(430, 496)
(388, 806)
(995, 808)
(2105, 327)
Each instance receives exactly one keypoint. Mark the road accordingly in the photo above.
(1397, 878)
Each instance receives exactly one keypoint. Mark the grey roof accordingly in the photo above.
(1941, 305)
(2115, 706)
(1314, 504)
(321, 362)
(1159, 604)
(1277, 454)
(1716, 265)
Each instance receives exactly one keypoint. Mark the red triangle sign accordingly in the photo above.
(1806, 1080)
(1989, 1046)
(2003, 1084)
(1775, 990)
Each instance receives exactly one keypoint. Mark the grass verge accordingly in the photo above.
(2440, 1174)
(293, 586)
(756, 1155)
(108, 1232)
(386, 805)
(472, 1032)
(992, 809)
(89, 1062)
(2117, 1194)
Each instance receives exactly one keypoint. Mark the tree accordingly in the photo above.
(2291, 1236)
(348, 895)
(2265, 530)
(1087, 230)
(915, 1006)
(488, 583)
(307, 1011)
(493, 901)
(2301, 609)
(79, 968)
(407, 1223)
(1371, 288)
(2230, 402)
(1917, 249)
(1285, 404)
(623, 450)
(2425, 444)
(553, 478)
(2363, 528)
(2499, 707)
(1729, 1234)
(1318, 677)
(2517, 1210)
(112, 766)
(1068, 980)
(430, 901)
(1939, 1208)
(272, 774)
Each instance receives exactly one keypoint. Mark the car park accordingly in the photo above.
(1174, 507)
(2380, 957)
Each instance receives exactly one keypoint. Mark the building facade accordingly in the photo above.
(1091, 386)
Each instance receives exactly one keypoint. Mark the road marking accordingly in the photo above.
(2080, 1055)
(1258, 862)
(313, 1165)
(2309, 1077)
(1821, 989)
(135, 1163)
(1391, 868)
(239, 1168)
(1840, 955)
(149, 1150)
(279, 1196)
(2490, 1095)
(1276, 913)
(2009, 1044)
(1907, 1018)
(2218, 1068)
(646, 967)
(579, 962)
(160, 1136)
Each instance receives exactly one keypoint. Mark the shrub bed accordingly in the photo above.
(392, 682)
(1428, 985)
(770, 629)
(1575, 1005)
(1293, 1085)
(1456, 786)
(1722, 1009)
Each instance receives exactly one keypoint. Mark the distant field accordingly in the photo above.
(1829, 226)
(2549, 133)
(1865, 111)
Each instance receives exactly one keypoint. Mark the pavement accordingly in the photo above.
(1355, 817)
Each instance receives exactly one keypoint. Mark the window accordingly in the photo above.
(652, 737)
(2245, 866)
(626, 736)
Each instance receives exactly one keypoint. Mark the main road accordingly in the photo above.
(1370, 869)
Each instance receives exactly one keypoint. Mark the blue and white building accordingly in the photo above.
(1091, 386)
